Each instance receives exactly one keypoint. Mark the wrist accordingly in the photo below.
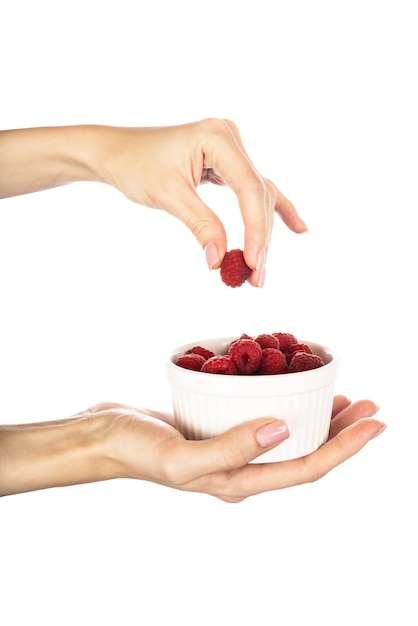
(55, 454)
(76, 152)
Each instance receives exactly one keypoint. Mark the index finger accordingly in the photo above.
(224, 153)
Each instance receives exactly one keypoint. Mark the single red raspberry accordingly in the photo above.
(222, 364)
(302, 361)
(234, 270)
(191, 361)
(246, 354)
(285, 340)
(267, 341)
(297, 347)
(273, 361)
(202, 351)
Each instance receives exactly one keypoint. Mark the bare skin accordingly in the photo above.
(157, 167)
(162, 168)
(109, 441)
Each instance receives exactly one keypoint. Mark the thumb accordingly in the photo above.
(235, 447)
(203, 223)
(245, 442)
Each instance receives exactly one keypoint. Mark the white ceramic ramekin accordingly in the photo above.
(205, 405)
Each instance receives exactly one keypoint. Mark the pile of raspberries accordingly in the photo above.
(276, 353)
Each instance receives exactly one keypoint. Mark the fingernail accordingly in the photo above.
(381, 429)
(261, 260)
(211, 253)
(262, 278)
(272, 433)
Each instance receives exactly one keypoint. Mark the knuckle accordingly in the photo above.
(171, 472)
(198, 225)
(217, 129)
(232, 126)
(214, 126)
(102, 406)
(234, 456)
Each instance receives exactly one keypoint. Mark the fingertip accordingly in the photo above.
(261, 260)
(301, 227)
(257, 279)
(379, 430)
(212, 255)
(340, 402)
(290, 216)
(362, 431)
(261, 278)
(295, 224)
(255, 256)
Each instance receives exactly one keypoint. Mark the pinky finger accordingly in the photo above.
(287, 211)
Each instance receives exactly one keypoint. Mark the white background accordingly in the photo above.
(95, 290)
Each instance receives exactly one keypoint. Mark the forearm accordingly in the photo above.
(54, 454)
(34, 159)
